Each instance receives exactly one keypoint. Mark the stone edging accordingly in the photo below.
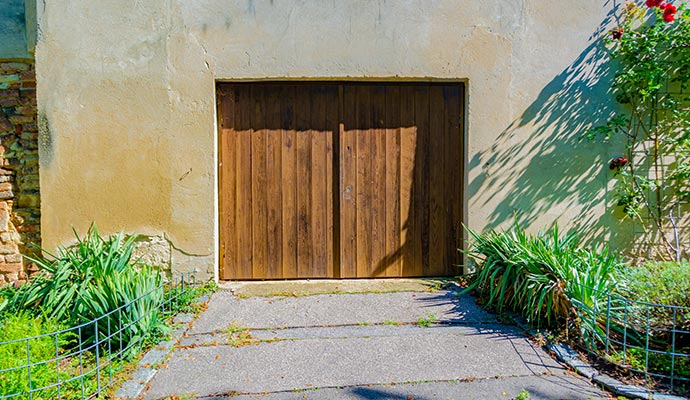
(146, 369)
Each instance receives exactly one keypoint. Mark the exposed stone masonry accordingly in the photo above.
(19, 185)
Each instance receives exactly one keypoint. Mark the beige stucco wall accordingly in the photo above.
(126, 101)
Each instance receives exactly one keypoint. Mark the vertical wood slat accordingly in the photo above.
(319, 192)
(274, 223)
(304, 186)
(393, 129)
(243, 172)
(348, 187)
(454, 118)
(408, 213)
(289, 182)
(377, 235)
(228, 207)
(259, 192)
(437, 250)
(421, 182)
(364, 177)
(399, 155)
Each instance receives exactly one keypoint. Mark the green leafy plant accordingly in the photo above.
(545, 277)
(650, 49)
(666, 283)
(87, 281)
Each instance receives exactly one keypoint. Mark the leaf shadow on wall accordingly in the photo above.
(553, 175)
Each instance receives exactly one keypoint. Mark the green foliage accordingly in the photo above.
(427, 320)
(42, 349)
(90, 279)
(523, 395)
(665, 283)
(546, 277)
(657, 362)
(651, 55)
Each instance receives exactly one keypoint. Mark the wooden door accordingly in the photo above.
(351, 180)
(276, 174)
(401, 168)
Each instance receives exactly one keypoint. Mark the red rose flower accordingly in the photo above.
(617, 33)
(653, 3)
(669, 17)
(669, 13)
(618, 162)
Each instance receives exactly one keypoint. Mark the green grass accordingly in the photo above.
(427, 320)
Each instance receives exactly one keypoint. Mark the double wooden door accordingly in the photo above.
(340, 180)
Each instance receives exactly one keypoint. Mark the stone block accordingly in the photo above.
(30, 129)
(11, 270)
(13, 258)
(27, 93)
(5, 125)
(29, 75)
(21, 119)
(9, 94)
(8, 248)
(4, 220)
(6, 194)
(9, 78)
(13, 66)
(10, 102)
(30, 200)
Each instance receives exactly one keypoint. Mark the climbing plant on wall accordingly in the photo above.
(650, 50)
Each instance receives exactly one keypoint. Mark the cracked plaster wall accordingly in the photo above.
(127, 88)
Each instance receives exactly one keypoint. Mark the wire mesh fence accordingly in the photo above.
(646, 338)
(83, 361)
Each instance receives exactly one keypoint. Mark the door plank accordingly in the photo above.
(364, 180)
(304, 184)
(259, 193)
(437, 182)
(392, 133)
(318, 181)
(421, 185)
(454, 118)
(289, 181)
(244, 185)
(411, 266)
(377, 234)
(348, 187)
(228, 206)
(274, 223)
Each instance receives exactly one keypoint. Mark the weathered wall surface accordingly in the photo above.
(126, 90)
(19, 183)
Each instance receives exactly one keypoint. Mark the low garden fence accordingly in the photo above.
(649, 339)
(84, 360)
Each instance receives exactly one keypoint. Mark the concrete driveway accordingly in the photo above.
(401, 345)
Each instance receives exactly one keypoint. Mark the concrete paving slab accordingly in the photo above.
(355, 346)
(538, 387)
(285, 365)
(344, 309)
